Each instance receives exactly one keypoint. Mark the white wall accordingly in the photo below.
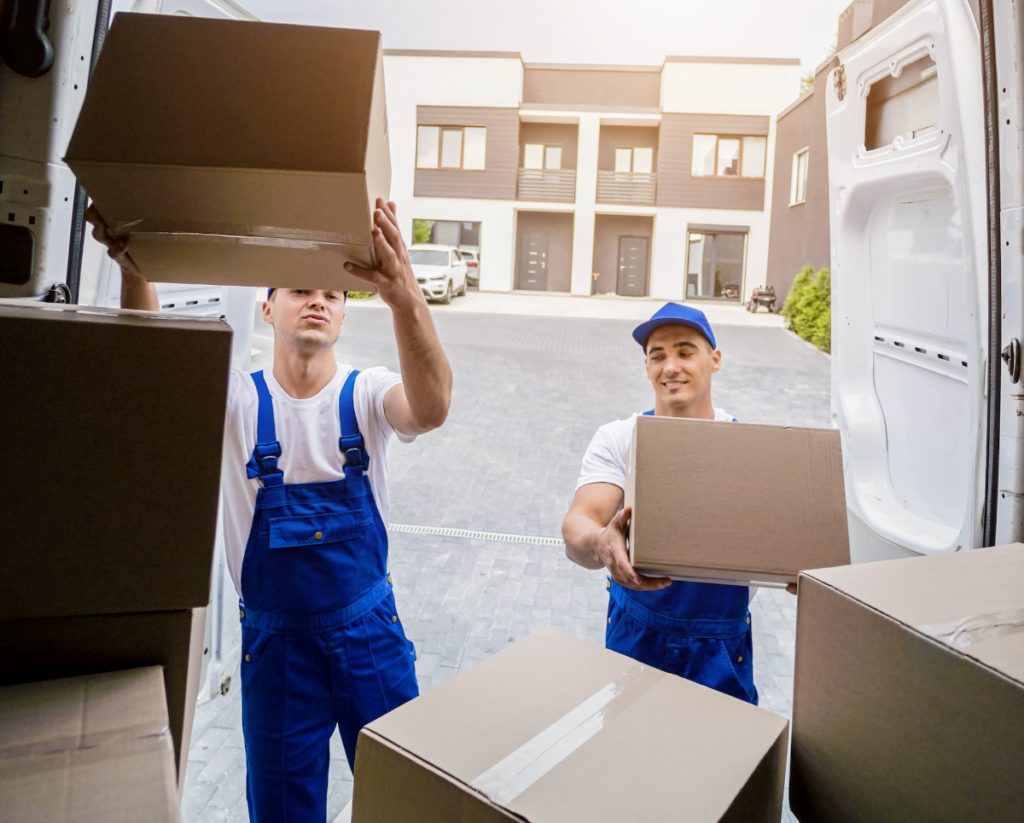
(728, 88)
(412, 81)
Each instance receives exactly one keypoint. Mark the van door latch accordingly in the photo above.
(1011, 357)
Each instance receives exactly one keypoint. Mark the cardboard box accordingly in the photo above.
(49, 648)
(556, 729)
(237, 152)
(87, 749)
(114, 428)
(735, 503)
(909, 690)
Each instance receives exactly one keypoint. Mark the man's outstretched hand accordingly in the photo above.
(393, 277)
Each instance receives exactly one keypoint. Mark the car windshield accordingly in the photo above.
(428, 257)
(469, 255)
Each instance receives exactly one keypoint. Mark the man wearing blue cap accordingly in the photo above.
(700, 631)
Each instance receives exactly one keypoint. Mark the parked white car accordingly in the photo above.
(440, 271)
(472, 258)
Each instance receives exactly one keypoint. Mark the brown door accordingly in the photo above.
(533, 261)
(632, 279)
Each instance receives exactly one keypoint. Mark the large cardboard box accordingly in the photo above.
(113, 425)
(87, 750)
(237, 152)
(47, 648)
(909, 690)
(736, 503)
(556, 729)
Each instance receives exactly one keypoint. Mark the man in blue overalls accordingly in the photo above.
(304, 508)
(700, 631)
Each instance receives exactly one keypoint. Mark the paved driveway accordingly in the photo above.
(477, 505)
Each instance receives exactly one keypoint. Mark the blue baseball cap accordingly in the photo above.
(674, 314)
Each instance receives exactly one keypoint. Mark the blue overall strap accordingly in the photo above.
(351, 441)
(263, 463)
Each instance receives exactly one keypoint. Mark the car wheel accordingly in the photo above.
(447, 294)
(465, 285)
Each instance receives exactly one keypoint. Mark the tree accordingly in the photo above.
(422, 230)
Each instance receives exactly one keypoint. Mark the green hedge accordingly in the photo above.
(808, 309)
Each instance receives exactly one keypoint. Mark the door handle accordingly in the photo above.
(1011, 357)
(26, 49)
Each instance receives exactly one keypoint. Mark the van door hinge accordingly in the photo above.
(1011, 357)
(839, 81)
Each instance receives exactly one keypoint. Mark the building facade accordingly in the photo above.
(629, 180)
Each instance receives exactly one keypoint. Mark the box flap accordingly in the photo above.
(736, 500)
(970, 600)
(94, 748)
(535, 726)
(194, 91)
(114, 422)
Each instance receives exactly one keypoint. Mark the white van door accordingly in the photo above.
(907, 197)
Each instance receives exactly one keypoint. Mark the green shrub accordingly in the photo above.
(422, 230)
(808, 308)
(359, 295)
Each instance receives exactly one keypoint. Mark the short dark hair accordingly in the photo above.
(270, 293)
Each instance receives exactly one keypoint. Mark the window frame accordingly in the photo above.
(632, 158)
(544, 147)
(441, 129)
(739, 157)
(794, 176)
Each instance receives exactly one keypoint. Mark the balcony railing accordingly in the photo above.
(625, 187)
(547, 184)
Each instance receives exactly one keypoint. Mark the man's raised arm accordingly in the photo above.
(136, 291)
(420, 403)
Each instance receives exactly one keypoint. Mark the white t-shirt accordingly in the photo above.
(308, 431)
(608, 453)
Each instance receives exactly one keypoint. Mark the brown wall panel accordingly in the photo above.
(677, 187)
(800, 233)
(608, 228)
(497, 181)
(551, 134)
(613, 137)
(592, 87)
(558, 227)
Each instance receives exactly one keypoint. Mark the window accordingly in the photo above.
(428, 257)
(451, 147)
(639, 159)
(426, 147)
(798, 182)
(721, 156)
(703, 155)
(475, 151)
(538, 156)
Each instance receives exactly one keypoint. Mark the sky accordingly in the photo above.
(638, 32)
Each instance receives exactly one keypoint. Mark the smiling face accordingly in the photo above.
(680, 362)
(308, 319)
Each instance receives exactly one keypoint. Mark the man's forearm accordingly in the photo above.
(582, 539)
(138, 293)
(426, 374)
